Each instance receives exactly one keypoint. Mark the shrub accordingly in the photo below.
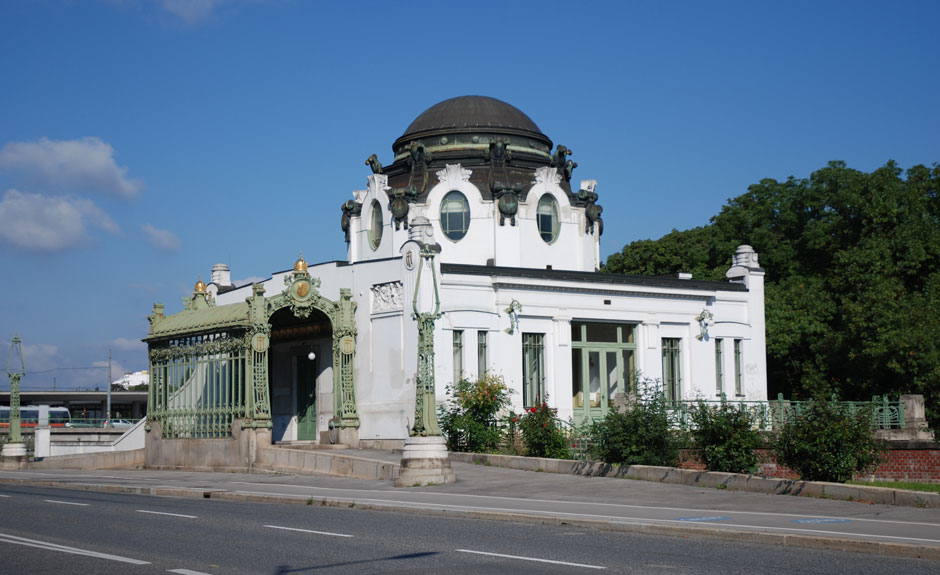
(639, 435)
(828, 443)
(469, 419)
(541, 435)
(725, 437)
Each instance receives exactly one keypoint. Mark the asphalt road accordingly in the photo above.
(48, 530)
(624, 504)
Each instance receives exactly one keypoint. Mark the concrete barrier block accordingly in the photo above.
(340, 466)
(295, 459)
(916, 499)
(840, 491)
(364, 469)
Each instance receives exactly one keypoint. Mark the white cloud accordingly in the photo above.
(128, 344)
(117, 370)
(191, 11)
(37, 357)
(45, 223)
(69, 165)
(162, 239)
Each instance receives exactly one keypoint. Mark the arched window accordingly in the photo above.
(547, 217)
(455, 215)
(375, 230)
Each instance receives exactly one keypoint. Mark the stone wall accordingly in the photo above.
(236, 453)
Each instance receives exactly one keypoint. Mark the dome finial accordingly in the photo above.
(200, 287)
(300, 265)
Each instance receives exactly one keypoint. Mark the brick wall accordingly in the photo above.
(915, 461)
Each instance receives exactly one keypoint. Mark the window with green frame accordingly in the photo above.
(672, 368)
(738, 374)
(458, 355)
(455, 215)
(547, 218)
(533, 369)
(719, 369)
(482, 360)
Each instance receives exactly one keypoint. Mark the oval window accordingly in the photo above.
(375, 230)
(547, 218)
(455, 215)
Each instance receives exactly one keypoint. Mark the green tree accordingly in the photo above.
(853, 277)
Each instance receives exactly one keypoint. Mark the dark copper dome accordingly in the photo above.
(471, 114)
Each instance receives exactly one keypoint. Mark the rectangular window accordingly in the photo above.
(738, 375)
(672, 374)
(481, 353)
(533, 369)
(458, 355)
(719, 369)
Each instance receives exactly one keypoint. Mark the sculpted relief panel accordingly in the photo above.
(387, 297)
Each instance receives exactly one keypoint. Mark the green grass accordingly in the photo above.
(933, 487)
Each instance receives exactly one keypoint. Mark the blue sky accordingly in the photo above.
(143, 141)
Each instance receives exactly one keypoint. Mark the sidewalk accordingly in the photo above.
(490, 492)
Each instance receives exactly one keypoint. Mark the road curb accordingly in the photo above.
(712, 479)
(651, 528)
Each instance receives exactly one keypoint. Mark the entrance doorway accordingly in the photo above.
(306, 386)
(299, 358)
(603, 366)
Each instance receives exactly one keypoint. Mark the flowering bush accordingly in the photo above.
(469, 419)
(541, 435)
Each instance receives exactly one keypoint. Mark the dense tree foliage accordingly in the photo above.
(853, 277)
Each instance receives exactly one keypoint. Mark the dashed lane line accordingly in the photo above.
(66, 502)
(521, 558)
(186, 572)
(15, 540)
(615, 519)
(169, 514)
(579, 503)
(308, 531)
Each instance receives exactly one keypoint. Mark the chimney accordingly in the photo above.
(221, 275)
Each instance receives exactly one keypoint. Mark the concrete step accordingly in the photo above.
(309, 444)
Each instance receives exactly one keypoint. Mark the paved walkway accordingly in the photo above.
(607, 503)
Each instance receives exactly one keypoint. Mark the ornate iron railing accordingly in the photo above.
(579, 441)
(198, 385)
(774, 414)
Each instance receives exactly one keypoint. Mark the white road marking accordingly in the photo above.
(578, 503)
(5, 538)
(187, 572)
(530, 559)
(615, 518)
(170, 514)
(4, 495)
(308, 531)
(66, 502)
(798, 530)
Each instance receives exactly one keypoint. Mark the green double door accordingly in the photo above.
(598, 375)
(306, 386)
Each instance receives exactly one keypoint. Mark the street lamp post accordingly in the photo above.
(15, 448)
(424, 458)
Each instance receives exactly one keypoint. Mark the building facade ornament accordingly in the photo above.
(453, 175)
(547, 175)
(387, 297)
